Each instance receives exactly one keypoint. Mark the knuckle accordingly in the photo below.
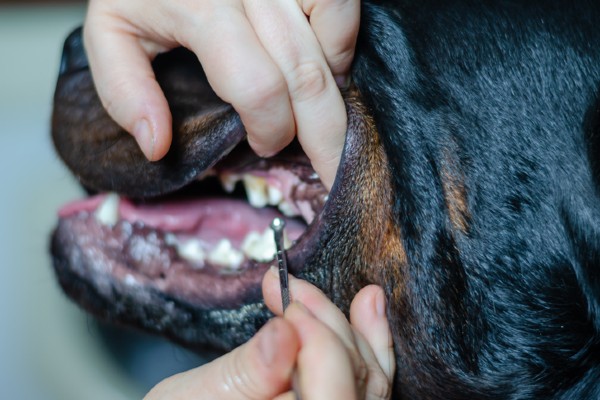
(326, 4)
(307, 81)
(262, 92)
(340, 58)
(361, 372)
(379, 387)
(117, 93)
(236, 379)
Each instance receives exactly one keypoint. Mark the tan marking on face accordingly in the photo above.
(380, 248)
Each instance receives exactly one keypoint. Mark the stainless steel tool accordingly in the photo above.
(278, 226)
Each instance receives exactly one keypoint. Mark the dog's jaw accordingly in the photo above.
(191, 306)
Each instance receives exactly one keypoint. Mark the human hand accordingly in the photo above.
(337, 359)
(274, 61)
(334, 359)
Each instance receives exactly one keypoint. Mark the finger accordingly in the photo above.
(335, 24)
(318, 108)
(376, 384)
(128, 88)
(313, 299)
(367, 315)
(286, 396)
(242, 73)
(321, 351)
(325, 311)
(260, 369)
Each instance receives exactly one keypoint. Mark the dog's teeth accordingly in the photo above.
(107, 213)
(225, 255)
(256, 190)
(192, 251)
(275, 196)
(259, 247)
(171, 239)
(251, 244)
(288, 209)
(228, 182)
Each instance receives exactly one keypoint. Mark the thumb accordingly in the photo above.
(260, 369)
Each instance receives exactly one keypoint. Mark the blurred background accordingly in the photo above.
(49, 349)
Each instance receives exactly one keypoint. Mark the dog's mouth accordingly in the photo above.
(208, 243)
(180, 246)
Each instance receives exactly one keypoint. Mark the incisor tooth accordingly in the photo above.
(288, 209)
(107, 212)
(256, 190)
(228, 182)
(224, 254)
(171, 239)
(192, 251)
(275, 196)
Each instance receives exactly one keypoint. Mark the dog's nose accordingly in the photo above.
(73, 55)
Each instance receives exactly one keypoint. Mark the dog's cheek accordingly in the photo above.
(373, 251)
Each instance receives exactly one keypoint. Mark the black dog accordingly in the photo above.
(469, 189)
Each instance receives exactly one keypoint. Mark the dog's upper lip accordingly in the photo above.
(106, 158)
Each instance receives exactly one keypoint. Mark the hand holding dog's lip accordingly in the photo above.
(278, 70)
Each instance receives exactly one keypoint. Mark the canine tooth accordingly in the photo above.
(259, 247)
(228, 182)
(107, 213)
(192, 251)
(256, 190)
(275, 196)
(288, 209)
(224, 254)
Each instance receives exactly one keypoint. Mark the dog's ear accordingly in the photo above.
(106, 158)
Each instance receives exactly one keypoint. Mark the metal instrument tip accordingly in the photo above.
(277, 226)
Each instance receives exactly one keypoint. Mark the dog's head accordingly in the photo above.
(468, 189)
(161, 259)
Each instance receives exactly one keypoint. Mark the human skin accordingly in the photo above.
(332, 357)
(276, 62)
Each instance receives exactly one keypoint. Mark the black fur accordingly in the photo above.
(489, 114)
(510, 307)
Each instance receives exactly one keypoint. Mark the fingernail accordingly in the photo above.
(380, 304)
(145, 137)
(266, 343)
(259, 150)
(343, 81)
